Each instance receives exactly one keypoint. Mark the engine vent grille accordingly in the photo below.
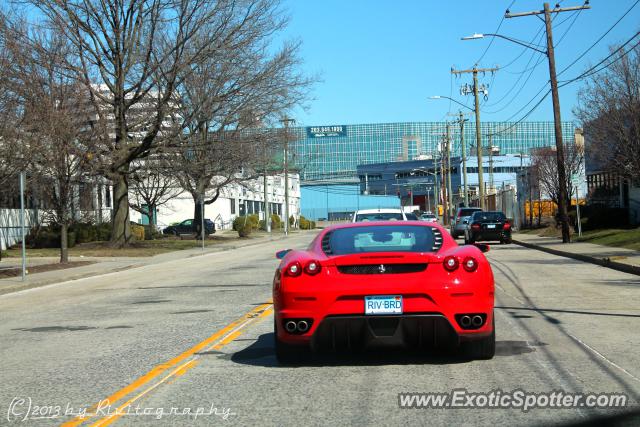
(437, 239)
(326, 244)
(382, 268)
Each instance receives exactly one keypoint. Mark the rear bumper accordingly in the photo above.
(490, 235)
(412, 330)
(358, 332)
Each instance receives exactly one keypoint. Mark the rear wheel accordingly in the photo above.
(484, 348)
(288, 354)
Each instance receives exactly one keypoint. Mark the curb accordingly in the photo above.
(72, 278)
(603, 262)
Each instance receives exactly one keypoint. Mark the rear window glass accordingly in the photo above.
(467, 212)
(411, 217)
(379, 216)
(488, 216)
(383, 238)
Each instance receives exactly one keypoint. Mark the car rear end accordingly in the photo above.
(458, 226)
(362, 300)
(491, 227)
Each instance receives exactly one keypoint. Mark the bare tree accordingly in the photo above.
(153, 185)
(609, 108)
(12, 153)
(133, 56)
(544, 162)
(228, 102)
(52, 123)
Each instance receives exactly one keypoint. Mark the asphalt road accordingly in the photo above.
(197, 333)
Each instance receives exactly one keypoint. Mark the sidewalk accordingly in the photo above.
(104, 265)
(621, 259)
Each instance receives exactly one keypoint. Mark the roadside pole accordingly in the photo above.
(449, 190)
(578, 214)
(267, 215)
(203, 231)
(562, 173)
(286, 121)
(22, 224)
(464, 160)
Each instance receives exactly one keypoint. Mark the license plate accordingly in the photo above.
(391, 304)
(491, 226)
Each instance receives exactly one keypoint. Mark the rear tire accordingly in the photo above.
(287, 354)
(482, 349)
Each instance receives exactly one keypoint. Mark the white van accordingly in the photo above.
(379, 215)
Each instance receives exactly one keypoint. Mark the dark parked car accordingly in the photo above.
(459, 223)
(186, 227)
(488, 226)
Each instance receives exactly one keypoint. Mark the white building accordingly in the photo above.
(234, 200)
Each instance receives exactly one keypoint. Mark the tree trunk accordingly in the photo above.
(64, 244)
(120, 226)
(197, 218)
(151, 209)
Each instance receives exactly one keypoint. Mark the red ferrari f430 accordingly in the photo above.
(395, 283)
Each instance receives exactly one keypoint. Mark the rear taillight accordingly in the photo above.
(507, 226)
(451, 263)
(294, 269)
(312, 268)
(475, 226)
(470, 264)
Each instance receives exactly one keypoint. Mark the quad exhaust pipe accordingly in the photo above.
(470, 321)
(297, 326)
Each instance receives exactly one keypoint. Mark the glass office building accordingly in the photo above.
(331, 154)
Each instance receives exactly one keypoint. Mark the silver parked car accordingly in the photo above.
(459, 223)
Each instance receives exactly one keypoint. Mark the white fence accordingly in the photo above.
(10, 232)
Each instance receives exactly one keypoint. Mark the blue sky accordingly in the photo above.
(380, 60)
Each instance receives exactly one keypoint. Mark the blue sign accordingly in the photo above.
(323, 131)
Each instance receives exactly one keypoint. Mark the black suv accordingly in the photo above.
(487, 226)
(186, 227)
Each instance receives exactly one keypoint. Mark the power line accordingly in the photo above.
(496, 31)
(575, 16)
(600, 38)
(593, 70)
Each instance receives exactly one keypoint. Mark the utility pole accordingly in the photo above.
(562, 174)
(461, 120)
(491, 184)
(475, 70)
(286, 121)
(449, 192)
(443, 183)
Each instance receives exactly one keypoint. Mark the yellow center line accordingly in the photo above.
(180, 363)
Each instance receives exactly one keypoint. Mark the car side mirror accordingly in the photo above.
(282, 254)
(483, 247)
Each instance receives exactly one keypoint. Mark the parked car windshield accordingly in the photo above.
(381, 238)
(379, 216)
(488, 216)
